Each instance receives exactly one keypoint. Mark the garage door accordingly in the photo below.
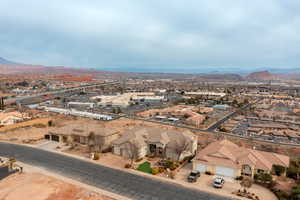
(224, 171)
(55, 138)
(200, 168)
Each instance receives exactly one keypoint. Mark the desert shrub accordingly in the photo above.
(208, 173)
(172, 174)
(107, 150)
(188, 158)
(39, 125)
(239, 178)
(155, 171)
(161, 170)
(139, 159)
(50, 123)
(264, 179)
(127, 165)
(172, 165)
(96, 156)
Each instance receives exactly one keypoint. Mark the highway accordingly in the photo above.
(112, 180)
(56, 92)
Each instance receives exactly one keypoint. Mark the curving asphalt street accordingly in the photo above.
(116, 181)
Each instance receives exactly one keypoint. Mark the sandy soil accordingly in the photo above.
(36, 186)
(25, 135)
(124, 123)
(33, 122)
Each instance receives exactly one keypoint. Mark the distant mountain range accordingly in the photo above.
(10, 67)
(6, 62)
(262, 76)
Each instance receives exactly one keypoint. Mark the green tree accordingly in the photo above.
(295, 194)
(294, 170)
(278, 169)
(264, 178)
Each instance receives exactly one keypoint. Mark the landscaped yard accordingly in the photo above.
(145, 167)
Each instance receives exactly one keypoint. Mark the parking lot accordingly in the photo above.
(242, 130)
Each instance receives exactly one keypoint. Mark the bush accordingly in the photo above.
(295, 192)
(239, 178)
(172, 174)
(294, 170)
(161, 170)
(278, 169)
(138, 160)
(265, 179)
(95, 156)
(50, 123)
(107, 150)
(171, 164)
(155, 171)
(127, 165)
(208, 173)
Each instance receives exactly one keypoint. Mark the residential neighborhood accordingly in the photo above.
(149, 100)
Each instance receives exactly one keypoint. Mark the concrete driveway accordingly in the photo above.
(205, 183)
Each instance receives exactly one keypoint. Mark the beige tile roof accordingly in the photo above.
(228, 154)
(142, 135)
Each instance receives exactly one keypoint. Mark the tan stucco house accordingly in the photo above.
(141, 141)
(225, 158)
(93, 136)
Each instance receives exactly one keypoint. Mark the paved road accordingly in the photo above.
(55, 92)
(220, 122)
(116, 181)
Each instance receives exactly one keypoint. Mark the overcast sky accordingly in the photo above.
(158, 34)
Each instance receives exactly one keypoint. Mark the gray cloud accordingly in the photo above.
(160, 34)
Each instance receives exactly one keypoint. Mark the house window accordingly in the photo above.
(152, 148)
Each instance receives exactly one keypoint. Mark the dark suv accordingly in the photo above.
(193, 176)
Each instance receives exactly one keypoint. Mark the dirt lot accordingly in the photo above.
(24, 135)
(40, 122)
(36, 186)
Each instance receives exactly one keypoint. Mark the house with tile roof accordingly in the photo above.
(225, 158)
(91, 136)
(141, 141)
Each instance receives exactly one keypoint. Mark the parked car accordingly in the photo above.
(218, 182)
(193, 176)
